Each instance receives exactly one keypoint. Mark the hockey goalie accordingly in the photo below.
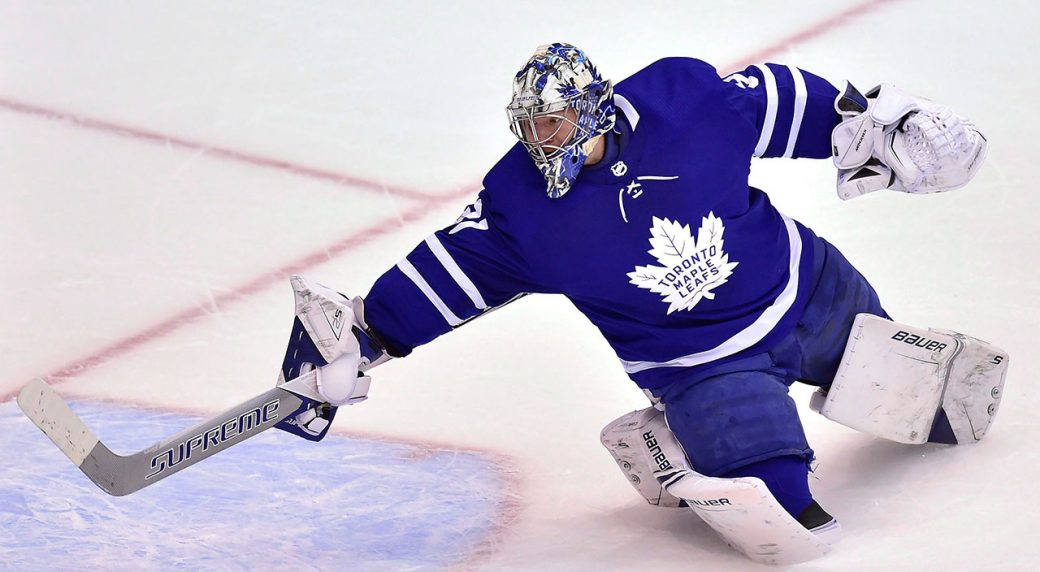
(714, 324)
(632, 200)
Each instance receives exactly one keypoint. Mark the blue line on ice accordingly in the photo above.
(274, 501)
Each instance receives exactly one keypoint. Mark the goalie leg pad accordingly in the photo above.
(747, 516)
(913, 385)
(641, 444)
(741, 510)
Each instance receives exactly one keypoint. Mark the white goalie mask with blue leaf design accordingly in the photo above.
(560, 105)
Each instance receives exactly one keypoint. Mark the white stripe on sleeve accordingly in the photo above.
(452, 267)
(627, 108)
(771, 104)
(800, 95)
(432, 296)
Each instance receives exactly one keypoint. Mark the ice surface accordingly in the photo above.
(143, 270)
(271, 502)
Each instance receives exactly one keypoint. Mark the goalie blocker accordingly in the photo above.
(331, 340)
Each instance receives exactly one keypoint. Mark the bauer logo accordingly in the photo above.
(919, 341)
(214, 437)
(710, 502)
(691, 269)
(656, 454)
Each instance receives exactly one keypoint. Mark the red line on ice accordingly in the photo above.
(244, 290)
(258, 283)
(819, 28)
(509, 508)
(352, 181)
(210, 150)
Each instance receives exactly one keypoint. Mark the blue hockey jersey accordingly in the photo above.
(663, 245)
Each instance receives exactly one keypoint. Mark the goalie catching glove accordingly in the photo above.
(890, 139)
(332, 346)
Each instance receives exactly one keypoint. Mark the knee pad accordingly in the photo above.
(912, 385)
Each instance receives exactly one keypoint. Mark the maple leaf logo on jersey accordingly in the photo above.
(690, 269)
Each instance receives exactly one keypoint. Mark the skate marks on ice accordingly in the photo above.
(274, 501)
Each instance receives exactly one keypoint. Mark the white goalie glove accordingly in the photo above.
(890, 139)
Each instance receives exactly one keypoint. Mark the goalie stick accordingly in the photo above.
(120, 475)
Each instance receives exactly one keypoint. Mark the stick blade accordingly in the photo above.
(52, 415)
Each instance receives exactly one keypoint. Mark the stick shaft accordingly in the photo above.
(121, 475)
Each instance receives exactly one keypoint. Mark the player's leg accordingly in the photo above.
(742, 429)
(840, 293)
(913, 385)
(735, 419)
(642, 445)
(892, 380)
(786, 478)
(750, 505)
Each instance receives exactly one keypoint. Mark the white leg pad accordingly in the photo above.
(742, 510)
(747, 516)
(641, 443)
(896, 381)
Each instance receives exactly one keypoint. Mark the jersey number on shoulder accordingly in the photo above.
(470, 218)
(742, 81)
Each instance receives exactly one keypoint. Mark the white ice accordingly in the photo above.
(144, 260)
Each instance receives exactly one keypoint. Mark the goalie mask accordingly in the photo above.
(560, 104)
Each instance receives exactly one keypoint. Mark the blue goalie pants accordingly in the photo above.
(737, 419)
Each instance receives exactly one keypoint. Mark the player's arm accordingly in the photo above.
(791, 109)
(457, 274)
(887, 139)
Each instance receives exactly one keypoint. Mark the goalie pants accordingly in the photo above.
(738, 420)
